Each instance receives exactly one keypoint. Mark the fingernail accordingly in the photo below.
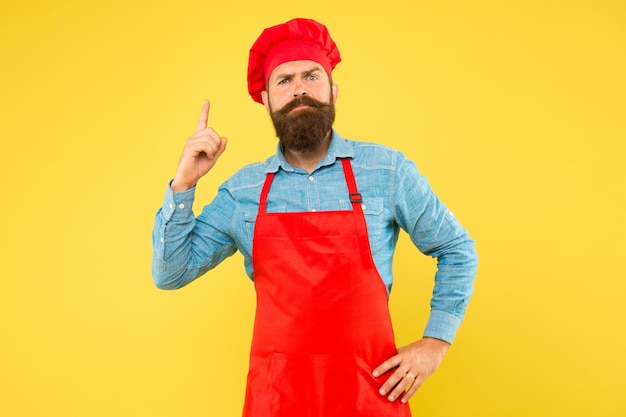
(376, 373)
(382, 391)
(391, 398)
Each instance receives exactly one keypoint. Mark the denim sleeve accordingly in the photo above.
(183, 247)
(437, 233)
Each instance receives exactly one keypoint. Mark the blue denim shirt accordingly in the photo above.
(395, 196)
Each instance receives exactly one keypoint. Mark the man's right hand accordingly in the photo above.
(199, 155)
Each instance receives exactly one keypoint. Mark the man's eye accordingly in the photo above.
(283, 81)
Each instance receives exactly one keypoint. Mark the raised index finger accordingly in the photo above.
(204, 116)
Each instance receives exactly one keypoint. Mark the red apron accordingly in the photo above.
(322, 322)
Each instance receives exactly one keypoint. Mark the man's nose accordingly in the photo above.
(300, 90)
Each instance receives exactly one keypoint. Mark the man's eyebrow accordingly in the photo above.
(286, 75)
(312, 70)
(283, 75)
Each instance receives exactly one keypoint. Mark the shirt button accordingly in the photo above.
(311, 178)
(162, 240)
(363, 206)
(171, 205)
(181, 206)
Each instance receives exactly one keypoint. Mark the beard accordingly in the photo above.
(306, 129)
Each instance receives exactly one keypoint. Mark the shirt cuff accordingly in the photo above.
(442, 325)
(178, 204)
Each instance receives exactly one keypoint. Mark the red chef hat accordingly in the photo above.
(295, 40)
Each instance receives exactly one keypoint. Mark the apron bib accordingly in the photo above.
(322, 321)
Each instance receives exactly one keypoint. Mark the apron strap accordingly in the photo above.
(359, 217)
(266, 188)
(355, 199)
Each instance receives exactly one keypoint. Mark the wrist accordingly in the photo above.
(178, 186)
(437, 344)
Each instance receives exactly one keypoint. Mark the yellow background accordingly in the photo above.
(515, 111)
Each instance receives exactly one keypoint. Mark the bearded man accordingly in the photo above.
(317, 224)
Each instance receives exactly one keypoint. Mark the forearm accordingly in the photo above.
(454, 285)
(437, 233)
(183, 249)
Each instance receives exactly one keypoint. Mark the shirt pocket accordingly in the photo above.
(249, 217)
(373, 210)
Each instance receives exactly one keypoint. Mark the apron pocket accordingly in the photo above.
(329, 385)
(258, 390)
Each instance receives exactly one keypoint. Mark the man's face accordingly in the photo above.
(300, 99)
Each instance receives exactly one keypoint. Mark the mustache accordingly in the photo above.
(302, 101)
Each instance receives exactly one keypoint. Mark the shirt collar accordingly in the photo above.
(338, 148)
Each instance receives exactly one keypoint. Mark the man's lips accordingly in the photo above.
(300, 107)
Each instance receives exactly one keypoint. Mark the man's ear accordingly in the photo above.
(266, 101)
(335, 90)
